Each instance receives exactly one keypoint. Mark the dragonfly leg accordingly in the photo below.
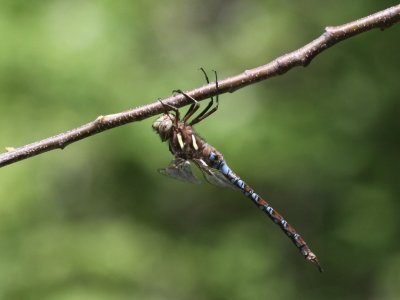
(192, 109)
(174, 109)
(205, 113)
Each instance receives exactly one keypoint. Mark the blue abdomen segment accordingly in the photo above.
(223, 167)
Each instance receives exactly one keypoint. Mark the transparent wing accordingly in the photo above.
(214, 176)
(218, 179)
(180, 169)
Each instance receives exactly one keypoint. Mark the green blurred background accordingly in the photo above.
(96, 221)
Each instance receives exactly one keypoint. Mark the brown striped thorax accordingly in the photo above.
(183, 141)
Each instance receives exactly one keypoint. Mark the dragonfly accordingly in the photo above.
(188, 147)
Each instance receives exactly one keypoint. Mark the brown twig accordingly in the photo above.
(279, 66)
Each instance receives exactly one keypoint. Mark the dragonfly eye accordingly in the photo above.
(163, 126)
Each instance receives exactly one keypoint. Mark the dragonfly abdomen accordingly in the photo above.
(296, 238)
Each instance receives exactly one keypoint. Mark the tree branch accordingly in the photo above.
(279, 66)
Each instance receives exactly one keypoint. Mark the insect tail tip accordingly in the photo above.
(312, 258)
(316, 263)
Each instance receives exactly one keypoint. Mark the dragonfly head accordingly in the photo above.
(164, 125)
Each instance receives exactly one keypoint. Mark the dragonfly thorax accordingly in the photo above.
(164, 126)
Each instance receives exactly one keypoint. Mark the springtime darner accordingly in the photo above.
(187, 146)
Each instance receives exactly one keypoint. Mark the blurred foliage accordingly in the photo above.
(96, 221)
